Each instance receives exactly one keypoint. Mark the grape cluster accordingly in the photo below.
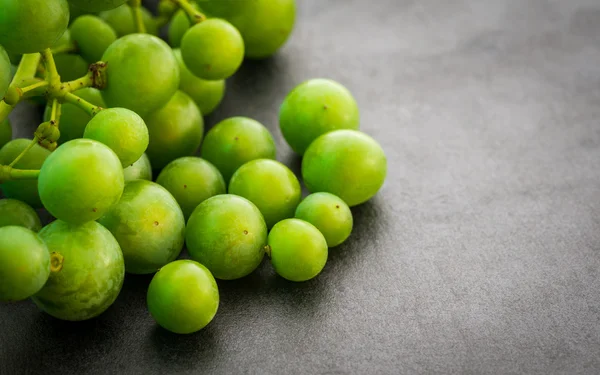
(122, 107)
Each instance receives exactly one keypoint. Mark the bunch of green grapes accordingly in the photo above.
(123, 106)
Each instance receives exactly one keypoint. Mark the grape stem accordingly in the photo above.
(29, 147)
(52, 75)
(27, 69)
(88, 107)
(8, 173)
(136, 12)
(55, 112)
(192, 13)
(64, 48)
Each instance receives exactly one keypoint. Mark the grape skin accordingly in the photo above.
(15, 212)
(93, 36)
(329, 214)
(96, 5)
(140, 170)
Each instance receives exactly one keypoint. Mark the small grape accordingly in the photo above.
(144, 73)
(347, 163)
(122, 130)
(140, 170)
(93, 36)
(5, 132)
(227, 234)
(148, 225)
(236, 141)
(175, 130)
(180, 23)
(316, 107)
(23, 190)
(24, 263)
(183, 297)
(80, 181)
(270, 185)
(298, 250)
(122, 22)
(96, 5)
(213, 49)
(70, 66)
(33, 25)
(5, 73)
(206, 94)
(191, 180)
(14, 212)
(330, 214)
(72, 118)
(87, 271)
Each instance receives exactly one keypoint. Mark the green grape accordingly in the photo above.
(80, 181)
(5, 72)
(183, 297)
(122, 130)
(330, 214)
(93, 36)
(87, 271)
(76, 12)
(14, 212)
(265, 25)
(175, 130)
(298, 250)
(5, 132)
(180, 23)
(213, 49)
(270, 185)
(148, 225)
(140, 170)
(347, 163)
(96, 5)
(142, 73)
(227, 234)
(121, 20)
(33, 25)
(206, 94)
(24, 263)
(70, 66)
(236, 141)
(316, 107)
(191, 180)
(72, 118)
(23, 190)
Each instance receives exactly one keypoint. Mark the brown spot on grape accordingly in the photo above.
(208, 67)
(95, 209)
(156, 223)
(236, 138)
(325, 107)
(337, 206)
(185, 186)
(245, 232)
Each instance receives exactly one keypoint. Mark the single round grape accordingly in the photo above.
(122, 22)
(206, 94)
(33, 25)
(191, 180)
(5, 132)
(23, 190)
(298, 250)
(72, 118)
(80, 181)
(148, 225)
(175, 130)
(236, 141)
(142, 73)
(140, 170)
(96, 5)
(183, 297)
(265, 25)
(213, 49)
(87, 271)
(92, 36)
(347, 163)
(24, 263)
(227, 234)
(316, 107)
(330, 214)
(14, 212)
(180, 23)
(122, 130)
(5, 73)
(271, 186)
(70, 66)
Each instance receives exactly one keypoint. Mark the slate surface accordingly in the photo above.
(481, 253)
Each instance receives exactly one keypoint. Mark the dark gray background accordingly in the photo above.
(479, 255)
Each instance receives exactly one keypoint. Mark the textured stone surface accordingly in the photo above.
(481, 253)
